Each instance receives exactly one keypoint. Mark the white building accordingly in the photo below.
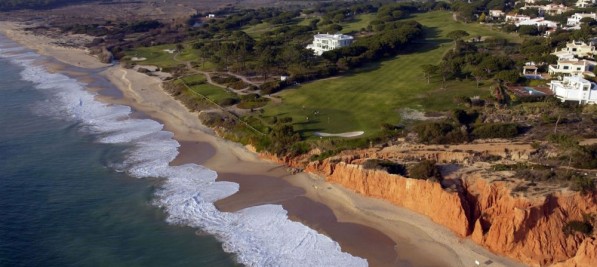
(564, 55)
(516, 18)
(496, 13)
(327, 42)
(585, 3)
(551, 9)
(575, 19)
(211, 16)
(573, 67)
(577, 48)
(575, 89)
(538, 22)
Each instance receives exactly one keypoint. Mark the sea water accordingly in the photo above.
(83, 183)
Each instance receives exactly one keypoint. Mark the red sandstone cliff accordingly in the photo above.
(521, 228)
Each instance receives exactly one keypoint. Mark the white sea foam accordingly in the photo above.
(259, 236)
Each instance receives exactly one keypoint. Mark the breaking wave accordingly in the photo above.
(258, 236)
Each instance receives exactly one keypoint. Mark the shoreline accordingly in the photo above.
(234, 162)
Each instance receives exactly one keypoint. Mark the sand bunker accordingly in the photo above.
(347, 134)
(138, 59)
(169, 51)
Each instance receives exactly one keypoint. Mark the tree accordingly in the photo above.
(509, 76)
(528, 30)
(479, 75)
(204, 54)
(265, 61)
(446, 70)
(457, 35)
(179, 47)
(482, 17)
(430, 70)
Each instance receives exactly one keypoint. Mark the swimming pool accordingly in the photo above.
(532, 91)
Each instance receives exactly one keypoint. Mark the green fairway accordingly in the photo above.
(156, 55)
(255, 31)
(364, 99)
(361, 21)
(198, 83)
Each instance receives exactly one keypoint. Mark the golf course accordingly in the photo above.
(362, 100)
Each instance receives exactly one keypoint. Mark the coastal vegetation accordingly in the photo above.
(416, 72)
(6, 5)
(428, 91)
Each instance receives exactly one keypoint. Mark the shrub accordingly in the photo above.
(496, 130)
(578, 226)
(270, 87)
(229, 101)
(224, 79)
(463, 117)
(238, 85)
(432, 132)
(286, 119)
(299, 148)
(386, 165)
(585, 157)
(563, 140)
(324, 155)
(582, 184)
(425, 169)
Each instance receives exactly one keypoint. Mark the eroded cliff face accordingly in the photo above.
(529, 230)
(425, 197)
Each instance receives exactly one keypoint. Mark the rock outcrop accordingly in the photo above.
(529, 230)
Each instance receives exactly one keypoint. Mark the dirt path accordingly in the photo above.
(208, 76)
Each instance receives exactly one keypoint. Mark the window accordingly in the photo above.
(578, 68)
(565, 67)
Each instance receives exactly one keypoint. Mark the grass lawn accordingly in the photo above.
(361, 21)
(155, 55)
(212, 92)
(368, 97)
(255, 31)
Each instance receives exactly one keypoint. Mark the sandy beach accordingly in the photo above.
(50, 47)
(382, 233)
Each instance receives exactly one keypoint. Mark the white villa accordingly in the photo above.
(516, 18)
(538, 22)
(551, 9)
(575, 19)
(573, 67)
(327, 42)
(585, 3)
(530, 71)
(496, 13)
(575, 89)
(577, 48)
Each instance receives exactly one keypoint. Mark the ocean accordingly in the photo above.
(84, 183)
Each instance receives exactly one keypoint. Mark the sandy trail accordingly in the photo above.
(347, 134)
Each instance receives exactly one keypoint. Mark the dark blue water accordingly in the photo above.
(61, 205)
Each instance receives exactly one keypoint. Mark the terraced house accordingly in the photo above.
(575, 89)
